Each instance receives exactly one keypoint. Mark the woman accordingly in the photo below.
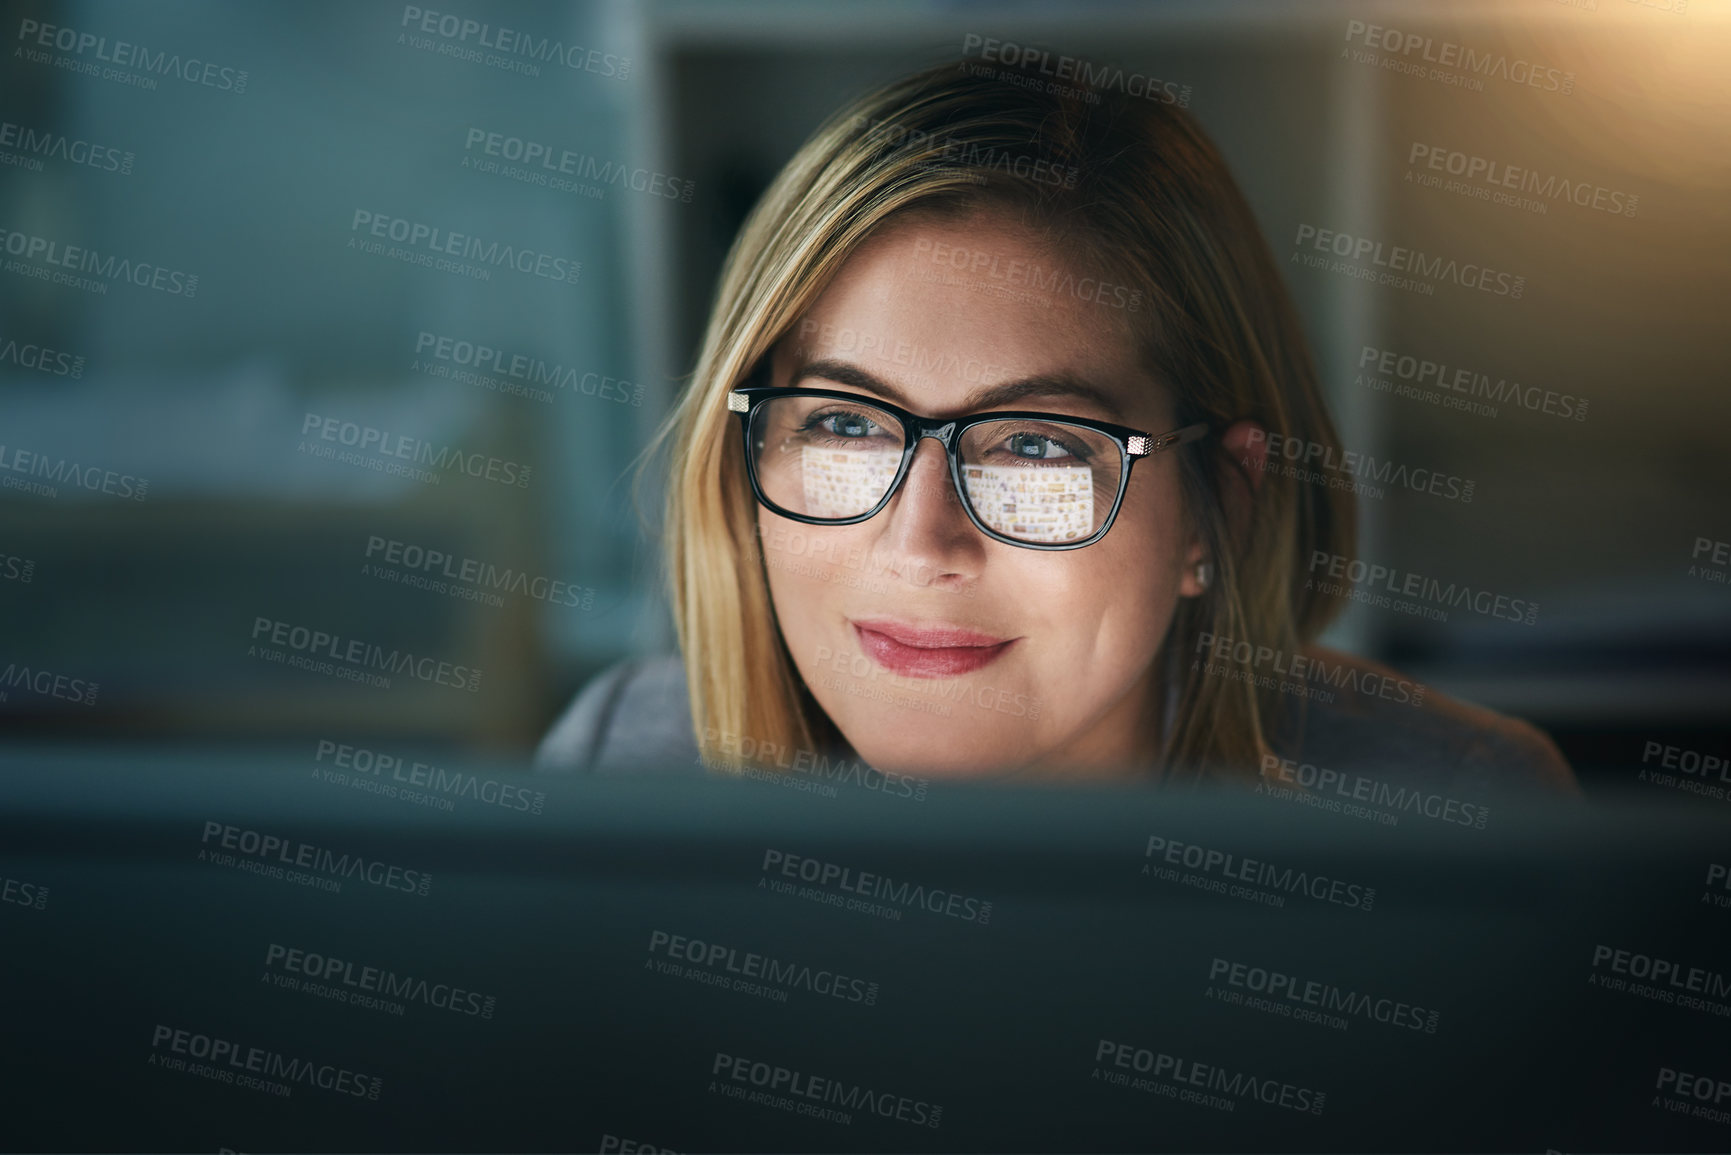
(1101, 579)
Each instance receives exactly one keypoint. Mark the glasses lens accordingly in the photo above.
(1042, 482)
(825, 457)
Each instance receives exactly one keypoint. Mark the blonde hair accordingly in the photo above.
(1141, 191)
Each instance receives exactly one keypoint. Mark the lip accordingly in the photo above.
(927, 651)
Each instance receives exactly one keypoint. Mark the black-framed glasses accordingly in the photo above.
(1038, 480)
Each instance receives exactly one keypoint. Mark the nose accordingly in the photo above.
(926, 537)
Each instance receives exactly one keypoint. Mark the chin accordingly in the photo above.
(937, 755)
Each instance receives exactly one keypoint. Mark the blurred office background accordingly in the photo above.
(369, 108)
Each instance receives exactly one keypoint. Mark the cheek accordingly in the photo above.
(1115, 598)
(809, 569)
(1112, 613)
(1156, 536)
(786, 561)
(797, 601)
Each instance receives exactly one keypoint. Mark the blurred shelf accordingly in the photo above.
(1593, 697)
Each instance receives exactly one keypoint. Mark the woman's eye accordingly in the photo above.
(1035, 447)
(846, 425)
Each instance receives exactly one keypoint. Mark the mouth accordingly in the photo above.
(933, 651)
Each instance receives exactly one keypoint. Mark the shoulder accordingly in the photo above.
(633, 716)
(1369, 719)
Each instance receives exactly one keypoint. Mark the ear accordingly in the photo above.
(1242, 459)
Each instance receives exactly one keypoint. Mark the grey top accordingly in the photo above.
(635, 717)
(632, 717)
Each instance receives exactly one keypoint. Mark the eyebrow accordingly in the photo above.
(983, 399)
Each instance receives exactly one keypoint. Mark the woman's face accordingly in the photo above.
(935, 649)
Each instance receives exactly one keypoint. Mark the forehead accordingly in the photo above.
(941, 307)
